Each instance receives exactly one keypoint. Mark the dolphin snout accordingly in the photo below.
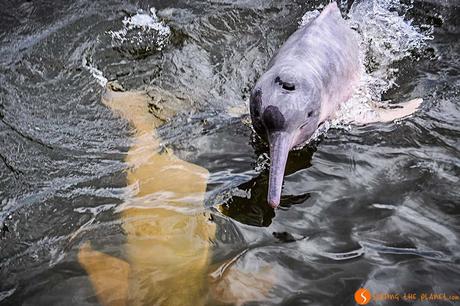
(280, 144)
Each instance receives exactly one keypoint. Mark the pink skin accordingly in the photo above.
(306, 81)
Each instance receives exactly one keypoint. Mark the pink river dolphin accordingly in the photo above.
(311, 75)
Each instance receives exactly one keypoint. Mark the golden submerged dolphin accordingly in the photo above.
(167, 229)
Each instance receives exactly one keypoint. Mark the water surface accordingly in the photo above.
(372, 206)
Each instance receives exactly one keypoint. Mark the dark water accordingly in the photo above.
(372, 206)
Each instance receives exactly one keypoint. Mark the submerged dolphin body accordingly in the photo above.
(308, 78)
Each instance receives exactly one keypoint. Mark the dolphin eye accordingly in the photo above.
(285, 85)
(288, 86)
(310, 113)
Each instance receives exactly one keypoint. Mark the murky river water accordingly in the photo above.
(373, 206)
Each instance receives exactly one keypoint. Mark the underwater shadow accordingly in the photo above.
(250, 205)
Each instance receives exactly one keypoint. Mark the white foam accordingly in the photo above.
(144, 23)
(144, 20)
(96, 73)
(309, 16)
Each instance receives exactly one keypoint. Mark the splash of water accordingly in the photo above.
(96, 73)
(309, 16)
(143, 30)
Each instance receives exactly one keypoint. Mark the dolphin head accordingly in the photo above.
(285, 111)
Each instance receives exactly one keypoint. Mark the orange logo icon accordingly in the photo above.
(362, 296)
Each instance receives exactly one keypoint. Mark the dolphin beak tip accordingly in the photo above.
(273, 203)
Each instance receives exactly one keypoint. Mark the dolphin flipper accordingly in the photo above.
(108, 275)
(385, 114)
(402, 110)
